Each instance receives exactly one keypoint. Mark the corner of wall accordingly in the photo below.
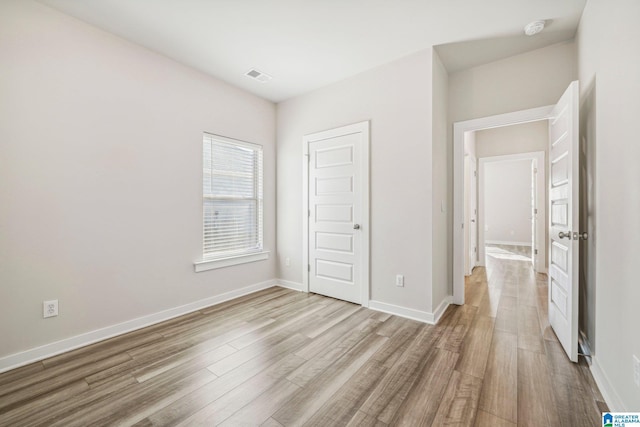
(442, 183)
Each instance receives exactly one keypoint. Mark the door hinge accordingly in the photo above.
(463, 225)
(535, 251)
(309, 213)
(535, 211)
(308, 267)
(475, 249)
(535, 170)
(475, 173)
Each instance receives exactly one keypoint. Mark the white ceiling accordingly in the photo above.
(307, 44)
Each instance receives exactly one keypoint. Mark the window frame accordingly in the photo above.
(213, 260)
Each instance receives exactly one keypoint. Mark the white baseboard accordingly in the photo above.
(48, 350)
(290, 285)
(611, 397)
(16, 360)
(439, 311)
(410, 313)
(506, 242)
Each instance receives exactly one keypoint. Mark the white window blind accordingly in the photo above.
(232, 197)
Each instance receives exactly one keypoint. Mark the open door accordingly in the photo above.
(564, 220)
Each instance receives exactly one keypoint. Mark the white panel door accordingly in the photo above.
(337, 215)
(564, 221)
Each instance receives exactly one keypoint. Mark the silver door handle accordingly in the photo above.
(356, 226)
(563, 235)
(583, 236)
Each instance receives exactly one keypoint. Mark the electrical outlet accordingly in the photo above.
(400, 280)
(50, 308)
(287, 262)
(636, 370)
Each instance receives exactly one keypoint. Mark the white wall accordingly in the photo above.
(608, 40)
(515, 139)
(441, 226)
(507, 202)
(397, 99)
(529, 80)
(101, 177)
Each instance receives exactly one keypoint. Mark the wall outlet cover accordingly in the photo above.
(50, 308)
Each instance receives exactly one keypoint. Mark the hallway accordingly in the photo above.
(528, 379)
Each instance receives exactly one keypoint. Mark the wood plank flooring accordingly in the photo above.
(284, 358)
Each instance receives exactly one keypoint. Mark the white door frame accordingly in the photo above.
(471, 198)
(467, 214)
(361, 127)
(541, 204)
(459, 129)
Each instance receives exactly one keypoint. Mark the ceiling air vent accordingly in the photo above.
(258, 75)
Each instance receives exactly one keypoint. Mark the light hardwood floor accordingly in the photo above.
(284, 358)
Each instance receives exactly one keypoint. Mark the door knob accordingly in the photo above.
(563, 235)
(583, 235)
(356, 226)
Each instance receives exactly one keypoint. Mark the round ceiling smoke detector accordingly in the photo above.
(534, 28)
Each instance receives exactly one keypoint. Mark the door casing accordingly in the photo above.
(471, 214)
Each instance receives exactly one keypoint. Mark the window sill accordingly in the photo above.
(211, 264)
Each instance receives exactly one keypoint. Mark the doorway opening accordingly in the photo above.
(512, 205)
(564, 198)
(463, 133)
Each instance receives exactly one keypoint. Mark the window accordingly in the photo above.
(232, 202)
